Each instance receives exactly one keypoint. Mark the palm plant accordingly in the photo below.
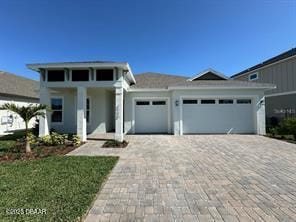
(26, 113)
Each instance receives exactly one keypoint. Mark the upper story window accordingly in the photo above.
(253, 76)
(56, 110)
(104, 74)
(80, 75)
(55, 75)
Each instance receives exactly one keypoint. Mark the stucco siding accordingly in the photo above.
(282, 74)
(10, 121)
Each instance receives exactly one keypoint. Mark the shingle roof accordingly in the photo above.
(156, 80)
(19, 86)
(284, 55)
(152, 80)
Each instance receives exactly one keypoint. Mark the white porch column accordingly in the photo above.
(260, 115)
(81, 113)
(44, 122)
(119, 114)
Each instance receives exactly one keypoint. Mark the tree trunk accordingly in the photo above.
(28, 147)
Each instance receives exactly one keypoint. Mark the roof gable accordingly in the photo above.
(209, 74)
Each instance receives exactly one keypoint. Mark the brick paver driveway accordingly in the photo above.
(200, 178)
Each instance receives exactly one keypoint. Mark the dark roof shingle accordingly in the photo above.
(19, 86)
(274, 59)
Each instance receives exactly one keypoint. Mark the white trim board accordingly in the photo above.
(168, 99)
(281, 94)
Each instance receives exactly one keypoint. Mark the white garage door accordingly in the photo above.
(151, 116)
(217, 116)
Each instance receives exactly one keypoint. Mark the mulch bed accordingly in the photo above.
(115, 144)
(18, 152)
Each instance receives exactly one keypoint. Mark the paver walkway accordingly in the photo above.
(200, 178)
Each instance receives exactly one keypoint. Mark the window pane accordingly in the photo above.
(80, 75)
(142, 103)
(87, 116)
(243, 101)
(190, 101)
(225, 101)
(55, 75)
(87, 104)
(158, 103)
(57, 116)
(207, 101)
(253, 76)
(104, 75)
(56, 104)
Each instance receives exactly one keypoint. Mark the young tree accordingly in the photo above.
(26, 113)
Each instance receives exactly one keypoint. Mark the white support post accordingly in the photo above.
(260, 114)
(119, 114)
(81, 113)
(44, 122)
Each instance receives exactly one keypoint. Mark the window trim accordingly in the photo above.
(233, 102)
(143, 101)
(157, 101)
(95, 75)
(63, 110)
(243, 103)
(215, 102)
(197, 102)
(254, 73)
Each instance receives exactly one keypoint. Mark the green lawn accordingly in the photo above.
(64, 186)
(9, 141)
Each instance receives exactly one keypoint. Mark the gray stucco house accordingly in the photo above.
(280, 71)
(18, 90)
(99, 97)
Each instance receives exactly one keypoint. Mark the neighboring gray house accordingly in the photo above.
(280, 71)
(18, 90)
(98, 97)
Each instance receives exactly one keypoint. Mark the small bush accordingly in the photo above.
(46, 140)
(115, 144)
(58, 139)
(288, 127)
(76, 140)
(33, 140)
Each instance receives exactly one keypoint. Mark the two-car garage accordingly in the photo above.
(211, 115)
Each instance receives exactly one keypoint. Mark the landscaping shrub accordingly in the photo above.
(58, 139)
(76, 140)
(115, 144)
(288, 127)
(33, 140)
(46, 140)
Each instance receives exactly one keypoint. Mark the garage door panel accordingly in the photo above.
(152, 118)
(218, 118)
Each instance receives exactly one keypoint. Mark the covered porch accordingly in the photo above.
(83, 111)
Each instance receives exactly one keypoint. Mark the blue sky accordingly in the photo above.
(167, 36)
